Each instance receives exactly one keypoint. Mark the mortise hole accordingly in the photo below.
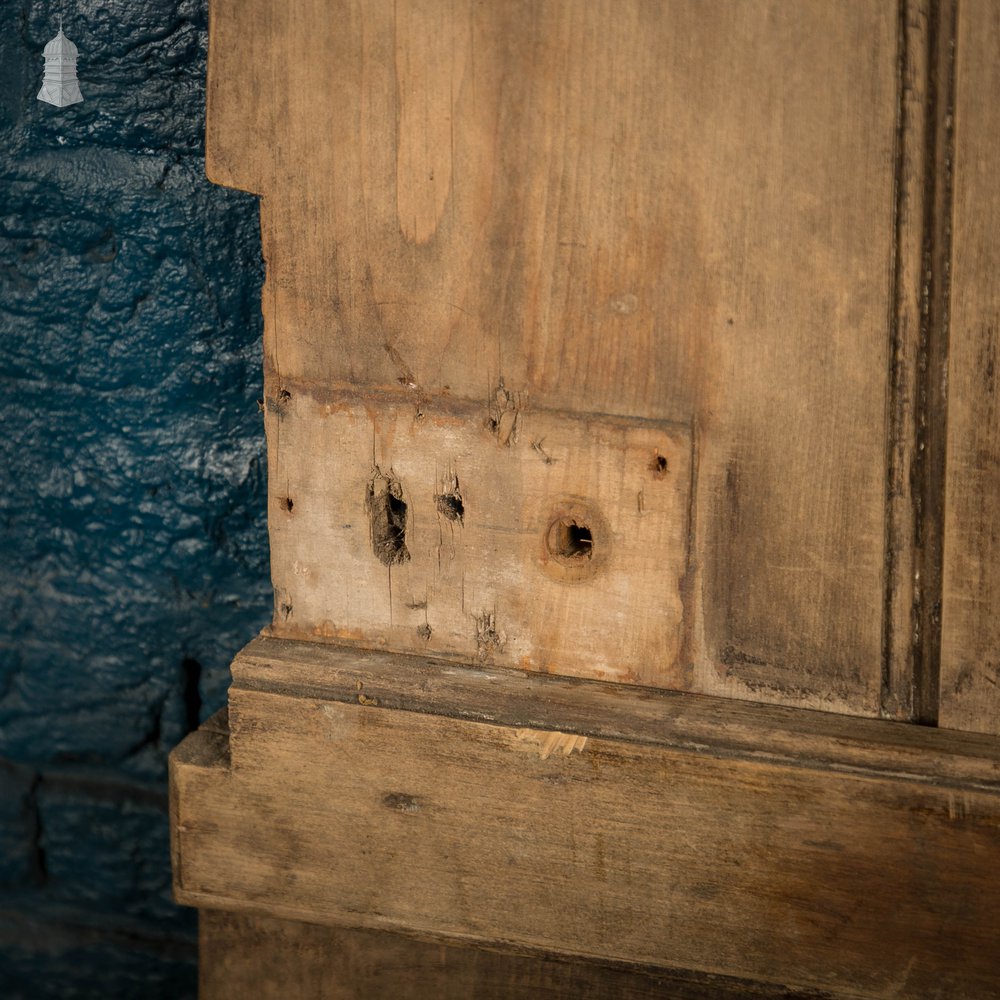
(288, 503)
(387, 513)
(659, 466)
(569, 540)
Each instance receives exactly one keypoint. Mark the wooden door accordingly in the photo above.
(636, 341)
(649, 266)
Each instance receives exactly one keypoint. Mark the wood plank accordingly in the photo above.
(676, 212)
(563, 555)
(970, 613)
(723, 727)
(247, 954)
(545, 837)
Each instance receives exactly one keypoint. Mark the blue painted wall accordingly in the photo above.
(134, 554)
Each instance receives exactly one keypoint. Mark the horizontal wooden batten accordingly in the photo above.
(547, 813)
(243, 955)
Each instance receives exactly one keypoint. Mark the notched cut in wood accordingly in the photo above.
(387, 515)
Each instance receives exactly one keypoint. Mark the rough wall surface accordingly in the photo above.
(132, 512)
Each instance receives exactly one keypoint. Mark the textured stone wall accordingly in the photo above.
(134, 550)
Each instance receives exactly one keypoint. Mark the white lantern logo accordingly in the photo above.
(59, 85)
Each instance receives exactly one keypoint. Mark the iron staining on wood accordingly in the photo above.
(387, 516)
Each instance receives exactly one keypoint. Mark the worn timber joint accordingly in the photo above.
(533, 812)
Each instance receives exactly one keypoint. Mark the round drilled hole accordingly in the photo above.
(576, 541)
(569, 541)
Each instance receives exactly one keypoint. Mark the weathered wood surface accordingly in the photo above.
(246, 954)
(970, 613)
(562, 555)
(675, 212)
(851, 859)
(772, 734)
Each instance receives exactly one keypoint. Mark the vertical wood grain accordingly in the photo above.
(970, 613)
(661, 211)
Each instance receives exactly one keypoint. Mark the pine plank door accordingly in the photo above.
(593, 332)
